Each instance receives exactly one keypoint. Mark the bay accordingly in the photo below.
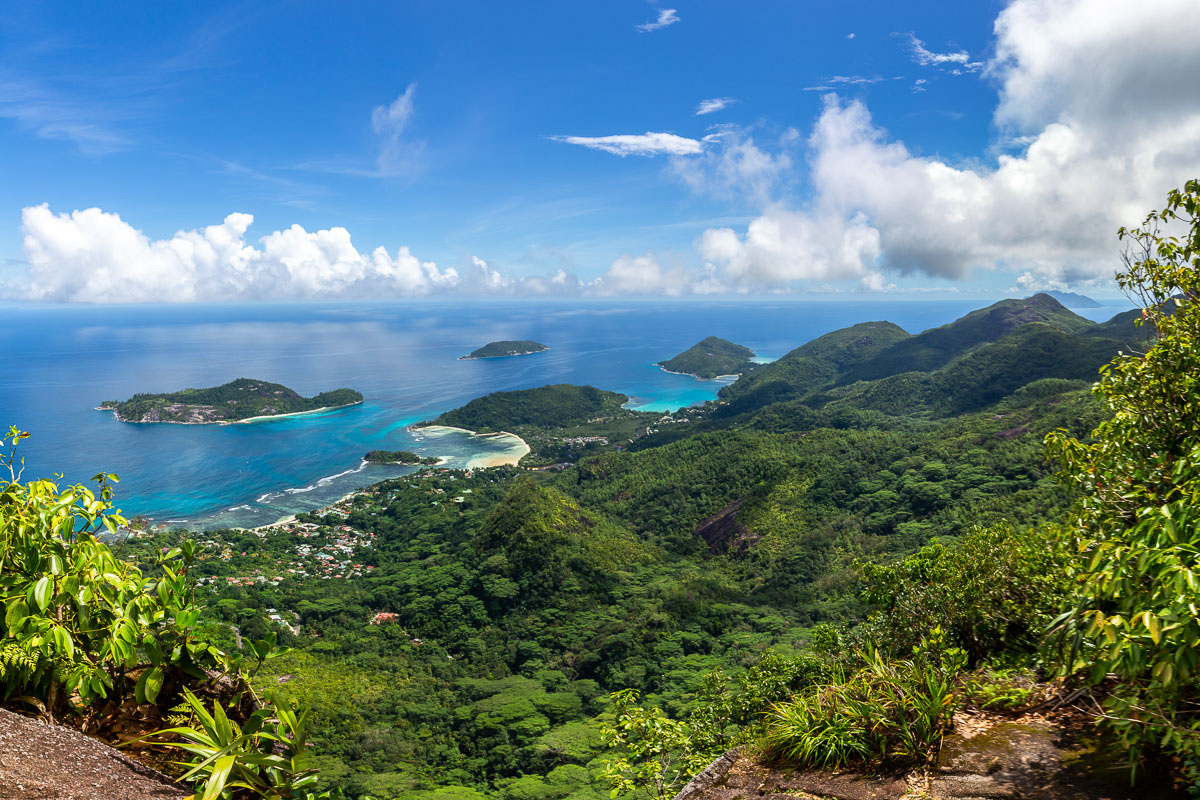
(58, 362)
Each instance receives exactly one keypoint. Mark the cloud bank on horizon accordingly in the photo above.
(1098, 115)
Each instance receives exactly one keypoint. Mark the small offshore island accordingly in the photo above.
(506, 348)
(398, 457)
(711, 358)
(242, 400)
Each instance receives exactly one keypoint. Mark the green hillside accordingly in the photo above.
(934, 348)
(984, 375)
(554, 406)
(848, 347)
(810, 366)
(959, 367)
(710, 358)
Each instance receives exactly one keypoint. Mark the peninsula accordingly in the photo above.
(711, 358)
(505, 348)
(242, 400)
(398, 457)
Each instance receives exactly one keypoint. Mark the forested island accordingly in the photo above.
(711, 358)
(522, 347)
(852, 561)
(398, 457)
(237, 401)
(1074, 300)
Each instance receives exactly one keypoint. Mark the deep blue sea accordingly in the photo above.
(58, 362)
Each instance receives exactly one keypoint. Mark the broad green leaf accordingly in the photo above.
(41, 591)
(13, 615)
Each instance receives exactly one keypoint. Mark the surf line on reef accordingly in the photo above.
(517, 447)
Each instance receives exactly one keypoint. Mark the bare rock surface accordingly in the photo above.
(742, 779)
(1036, 760)
(723, 533)
(1030, 759)
(49, 762)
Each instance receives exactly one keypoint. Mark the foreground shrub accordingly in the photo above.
(993, 592)
(892, 712)
(1137, 528)
(79, 624)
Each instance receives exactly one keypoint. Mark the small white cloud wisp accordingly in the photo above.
(389, 123)
(666, 17)
(713, 105)
(637, 144)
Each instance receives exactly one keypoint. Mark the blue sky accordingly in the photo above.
(850, 147)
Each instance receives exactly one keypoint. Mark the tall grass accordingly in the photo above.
(889, 712)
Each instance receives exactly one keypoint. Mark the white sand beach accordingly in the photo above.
(292, 414)
(517, 448)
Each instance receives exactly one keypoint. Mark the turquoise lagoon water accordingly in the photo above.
(57, 363)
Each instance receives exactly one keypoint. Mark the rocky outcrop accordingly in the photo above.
(1031, 759)
(49, 762)
(1037, 760)
(723, 533)
(735, 776)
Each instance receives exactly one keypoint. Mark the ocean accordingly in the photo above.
(58, 362)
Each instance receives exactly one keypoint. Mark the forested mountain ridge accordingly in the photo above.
(848, 347)
(934, 348)
(958, 367)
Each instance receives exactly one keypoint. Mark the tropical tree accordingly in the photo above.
(1136, 611)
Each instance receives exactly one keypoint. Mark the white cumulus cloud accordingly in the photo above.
(637, 144)
(93, 256)
(1091, 158)
(734, 166)
(637, 275)
(782, 246)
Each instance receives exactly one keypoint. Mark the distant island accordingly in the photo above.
(711, 358)
(1072, 300)
(397, 457)
(242, 400)
(502, 349)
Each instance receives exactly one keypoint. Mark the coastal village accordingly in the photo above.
(324, 544)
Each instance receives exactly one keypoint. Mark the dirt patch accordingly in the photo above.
(48, 762)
